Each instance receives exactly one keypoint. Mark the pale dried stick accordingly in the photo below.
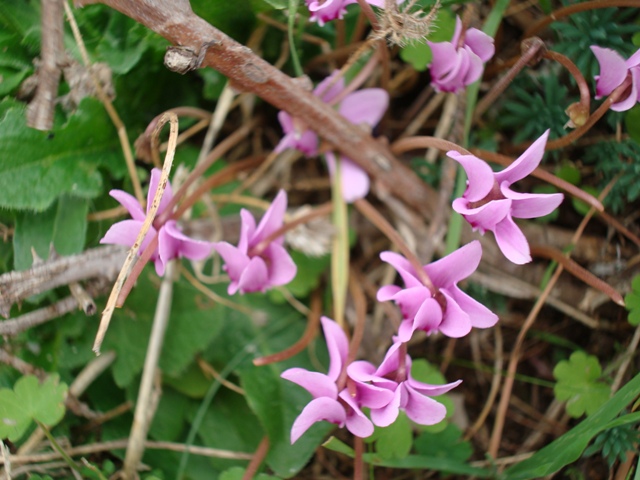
(172, 118)
(142, 418)
(628, 356)
(444, 125)
(503, 406)
(113, 114)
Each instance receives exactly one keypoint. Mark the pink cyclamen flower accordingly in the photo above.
(172, 243)
(459, 63)
(254, 266)
(361, 107)
(329, 404)
(409, 394)
(489, 203)
(448, 310)
(323, 11)
(614, 71)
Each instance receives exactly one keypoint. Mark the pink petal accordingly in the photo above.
(422, 410)
(410, 300)
(184, 246)
(633, 60)
(485, 217)
(235, 260)
(365, 106)
(632, 97)
(130, 203)
(532, 205)
(357, 422)
(126, 232)
(391, 361)
(281, 266)
(167, 195)
(481, 316)
(403, 266)
(247, 231)
(475, 68)
(387, 292)
(354, 180)
(525, 164)
(255, 277)
(444, 59)
(321, 90)
(457, 32)
(338, 346)
(272, 219)
(455, 266)
(480, 43)
(512, 242)
(383, 417)
(454, 79)
(431, 390)
(480, 176)
(362, 372)
(317, 384)
(456, 322)
(322, 408)
(428, 318)
(613, 70)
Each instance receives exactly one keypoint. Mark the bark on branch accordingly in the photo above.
(176, 21)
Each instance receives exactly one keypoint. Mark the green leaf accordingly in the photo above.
(63, 225)
(37, 167)
(191, 382)
(632, 122)
(418, 54)
(310, 269)
(578, 384)
(237, 473)
(445, 444)
(395, 440)
(29, 400)
(569, 173)
(632, 302)
(570, 446)
(122, 44)
(167, 425)
(426, 372)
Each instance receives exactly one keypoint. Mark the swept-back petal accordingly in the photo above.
(327, 89)
(480, 43)
(479, 174)
(317, 384)
(481, 316)
(410, 300)
(365, 106)
(354, 180)
(444, 59)
(357, 422)
(337, 344)
(485, 217)
(633, 60)
(254, 277)
(235, 260)
(613, 70)
(319, 409)
(512, 242)
(247, 231)
(282, 268)
(123, 233)
(456, 322)
(431, 390)
(403, 266)
(272, 219)
(387, 292)
(632, 96)
(181, 245)
(452, 81)
(475, 67)
(421, 409)
(167, 195)
(531, 205)
(130, 203)
(385, 416)
(525, 164)
(457, 32)
(391, 360)
(455, 266)
(428, 319)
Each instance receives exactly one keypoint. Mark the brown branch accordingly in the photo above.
(174, 20)
(41, 109)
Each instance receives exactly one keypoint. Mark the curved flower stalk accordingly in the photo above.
(258, 262)
(489, 203)
(614, 70)
(172, 243)
(409, 394)
(323, 11)
(460, 62)
(448, 310)
(361, 107)
(329, 404)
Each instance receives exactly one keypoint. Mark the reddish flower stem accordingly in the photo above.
(358, 459)
(360, 302)
(576, 270)
(392, 234)
(312, 328)
(585, 94)
(369, 13)
(136, 270)
(258, 457)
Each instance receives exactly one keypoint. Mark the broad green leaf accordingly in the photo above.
(38, 167)
(236, 18)
(191, 382)
(578, 384)
(569, 173)
(570, 446)
(30, 400)
(122, 44)
(167, 424)
(63, 225)
(445, 444)
(237, 473)
(395, 440)
(632, 302)
(418, 54)
(632, 120)
(310, 269)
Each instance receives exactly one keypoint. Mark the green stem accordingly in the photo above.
(56, 446)
(295, 59)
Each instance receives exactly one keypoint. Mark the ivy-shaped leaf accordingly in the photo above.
(394, 441)
(30, 400)
(445, 444)
(632, 301)
(578, 384)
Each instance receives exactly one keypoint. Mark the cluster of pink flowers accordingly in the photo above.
(323, 11)
(615, 71)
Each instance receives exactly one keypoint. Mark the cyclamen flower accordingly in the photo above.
(361, 107)
(448, 310)
(172, 243)
(490, 204)
(323, 11)
(409, 394)
(614, 70)
(328, 404)
(254, 266)
(457, 63)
